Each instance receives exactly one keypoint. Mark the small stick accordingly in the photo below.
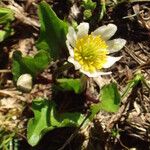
(5, 71)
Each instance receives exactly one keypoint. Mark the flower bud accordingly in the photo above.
(24, 82)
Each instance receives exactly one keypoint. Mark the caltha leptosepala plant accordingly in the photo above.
(90, 53)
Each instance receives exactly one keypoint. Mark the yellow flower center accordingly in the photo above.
(91, 52)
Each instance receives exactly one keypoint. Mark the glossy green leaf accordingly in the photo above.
(46, 118)
(109, 100)
(39, 123)
(52, 32)
(28, 64)
(76, 85)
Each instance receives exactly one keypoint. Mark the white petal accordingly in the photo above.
(76, 64)
(71, 36)
(83, 29)
(94, 74)
(115, 45)
(110, 61)
(106, 31)
(71, 51)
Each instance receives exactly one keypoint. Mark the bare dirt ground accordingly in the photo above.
(129, 128)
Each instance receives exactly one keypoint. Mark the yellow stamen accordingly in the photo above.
(91, 52)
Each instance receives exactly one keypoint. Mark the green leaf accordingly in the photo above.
(36, 126)
(52, 32)
(46, 118)
(28, 64)
(89, 4)
(6, 15)
(109, 100)
(76, 85)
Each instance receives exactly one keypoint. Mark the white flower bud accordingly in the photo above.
(24, 82)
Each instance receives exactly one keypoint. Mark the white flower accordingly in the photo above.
(89, 52)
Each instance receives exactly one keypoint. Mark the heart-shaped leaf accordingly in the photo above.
(109, 100)
(41, 121)
(28, 64)
(46, 118)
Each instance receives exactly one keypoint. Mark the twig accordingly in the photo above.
(123, 144)
(21, 15)
(132, 55)
(9, 93)
(5, 71)
(135, 58)
(131, 16)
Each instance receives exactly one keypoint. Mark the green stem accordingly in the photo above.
(103, 8)
(127, 89)
(138, 78)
